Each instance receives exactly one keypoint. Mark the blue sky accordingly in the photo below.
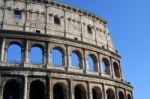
(129, 24)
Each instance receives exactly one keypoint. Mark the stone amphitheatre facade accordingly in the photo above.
(89, 65)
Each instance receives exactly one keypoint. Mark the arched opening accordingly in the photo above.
(14, 53)
(121, 95)
(129, 96)
(37, 90)
(96, 93)
(92, 63)
(105, 66)
(110, 94)
(36, 55)
(79, 92)
(11, 90)
(76, 59)
(57, 57)
(17, 14)
(58, 92)
(56, 20)
(116, 70)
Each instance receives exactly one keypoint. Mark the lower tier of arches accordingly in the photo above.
(49, 87)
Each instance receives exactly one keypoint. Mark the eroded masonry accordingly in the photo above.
(76, 58)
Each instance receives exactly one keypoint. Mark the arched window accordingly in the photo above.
(105, 66)
(79, 92)
(11, 90)
(91, 63)
(96, 93)
(58, 92)
(110, 94)
(13, 53)
(57, 57)
(37, 90)
(75, 59)
(56, 20)
(121, 95)
(129, 96)
(36, 55)
(116, 69)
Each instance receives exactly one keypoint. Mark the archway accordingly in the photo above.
(11, 90)
(79, 92)
(110, 94)
(58, 92)
(36, 55)
(116, 70)
(14, 53)
(121, 95)
(57, 57)
(76, 59)
(129, 96)
(96, 93)
(37, 90)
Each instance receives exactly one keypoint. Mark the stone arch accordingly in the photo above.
(79, 92)
(58, 56)
(116, 69)
(129, 96)
(92, 63)
(14, 49)
(106, 69)
(59, 91)
(76, 59)
(121, 95)
(38, 50)
(110, 94)
(9, 92)
(96, 93)
(37, 90)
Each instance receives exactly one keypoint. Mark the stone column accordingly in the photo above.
(99, 61)
(89, 92)
(85, 68)
(27, 58)
(68, 58)
(112, 68)
(3, 50)
(121, 72)
(104, 92)
(116, 93)
(25, 87)
(71, 90)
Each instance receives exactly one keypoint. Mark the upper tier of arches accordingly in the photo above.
(59, 56)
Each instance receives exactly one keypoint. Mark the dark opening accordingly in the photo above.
(11, 90)
(38, 31)
(37, 90)
(17, 14)
(56, 20)
(121, 95)
(58, 92)
(116, 69)
(79, 93)
(110, 94)
(94, 94)
(89, 29)
(129, 97)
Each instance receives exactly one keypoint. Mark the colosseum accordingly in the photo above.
(76, 58)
